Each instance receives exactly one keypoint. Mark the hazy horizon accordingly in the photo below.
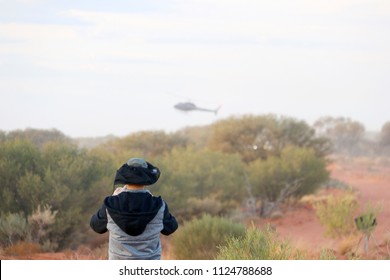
(96, 69)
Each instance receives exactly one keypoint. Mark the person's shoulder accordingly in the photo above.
(111, 199)
(158, 198)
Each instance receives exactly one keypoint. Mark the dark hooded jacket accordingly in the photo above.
(135, 220)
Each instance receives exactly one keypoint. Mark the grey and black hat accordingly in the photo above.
(137, 171)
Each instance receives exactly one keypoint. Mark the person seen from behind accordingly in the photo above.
(133, 216)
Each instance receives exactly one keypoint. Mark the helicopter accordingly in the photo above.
(189, 106)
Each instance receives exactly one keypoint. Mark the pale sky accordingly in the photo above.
(93, 68)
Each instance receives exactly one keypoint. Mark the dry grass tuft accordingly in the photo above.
(348, 244)
(22, 249)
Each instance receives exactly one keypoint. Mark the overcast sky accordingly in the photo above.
(92, 68)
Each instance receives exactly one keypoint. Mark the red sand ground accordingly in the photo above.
(370, 179)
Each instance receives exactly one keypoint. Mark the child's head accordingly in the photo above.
(138, 172)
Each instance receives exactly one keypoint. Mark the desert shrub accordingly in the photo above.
(58, 174)
(40, 220)
(256, 244)
(199, 206)
(258, 137)
(293, 174)
(336, 214)
(199, 238)
(193, 178)
(13, 228)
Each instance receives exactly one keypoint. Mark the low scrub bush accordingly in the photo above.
(336, 214)
(13, 228)
(257, 244)
(197, 206)
(199, 239)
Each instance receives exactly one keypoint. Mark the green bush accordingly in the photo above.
(200, 181)
(72, 181)
(199, 239)
(13, 228)
(295, 173)
(257, 245)
(336, 214)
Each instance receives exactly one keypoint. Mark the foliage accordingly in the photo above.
(199, 239)
(57, 174)
(327, 254)
(296, 172)
(18, 158)
(13, 228)
(346, 134)
(189, 175)
(258, 137)
(210, 169)
(39, 137)
(366, 221)
(146, 144)
(40, 220)
(256, 245)
(198, 206)
(336, 214)
(196, 136)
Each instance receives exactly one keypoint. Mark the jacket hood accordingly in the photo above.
(133, 210)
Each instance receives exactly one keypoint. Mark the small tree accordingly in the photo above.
(346, 134)
(296, 172)
(258, 137)
(195, 178)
